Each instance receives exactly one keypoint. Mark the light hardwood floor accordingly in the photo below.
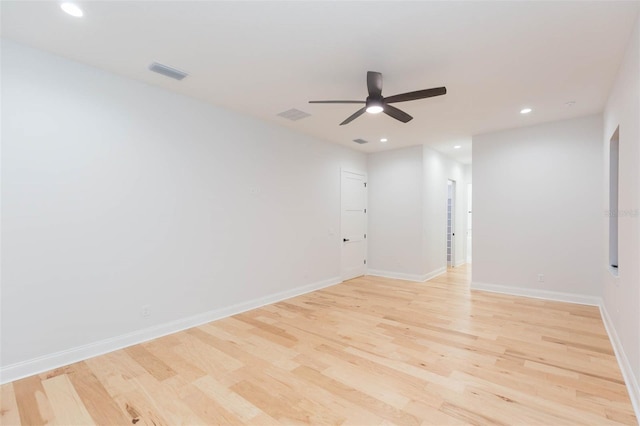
(369, 351)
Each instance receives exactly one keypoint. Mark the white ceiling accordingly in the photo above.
(262, 58)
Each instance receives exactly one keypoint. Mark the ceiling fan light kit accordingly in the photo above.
(374, 106)
(376, 103)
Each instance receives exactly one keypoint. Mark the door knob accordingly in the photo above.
(345, 240)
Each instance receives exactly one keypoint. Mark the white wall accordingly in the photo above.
(408, 212)
(622, 293)
(117, 194)
(395, 211)
(537, 208)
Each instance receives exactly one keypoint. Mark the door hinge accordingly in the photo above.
(365, 210)
(365, 236)
(365, 261)
(365, 184)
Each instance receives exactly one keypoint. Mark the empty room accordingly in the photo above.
(320, 212)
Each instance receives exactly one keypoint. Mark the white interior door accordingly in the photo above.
(353, 195)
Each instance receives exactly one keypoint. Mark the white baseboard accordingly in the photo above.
(538, 294)
(460, 262)
(48, 362)
(623, 361)
(431, 275)
(407, 277)
(395, 275)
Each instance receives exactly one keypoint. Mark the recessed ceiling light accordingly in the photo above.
(457, 147)
(72, 9)
(525, 110)
(383, 140)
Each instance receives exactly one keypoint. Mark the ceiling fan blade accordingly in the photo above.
(336, 102)
(374, 83)
(353, 116)
(419, 94)
(394, 112)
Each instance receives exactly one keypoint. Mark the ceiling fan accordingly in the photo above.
(376, 103)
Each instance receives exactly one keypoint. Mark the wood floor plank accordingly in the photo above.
(154, 365)
(66, 404)
(183, 368)
(141, 410)
(240, 407)
(356, 396)
(113, 373)
(33, 405)
(95, 397)
(372, 350)
(212, 412)
(9, 414)
(205, 357)
(269, 402)
(167, 402)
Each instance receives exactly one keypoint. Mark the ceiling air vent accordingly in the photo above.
(167, 71)
(294, 114)
(360, 141)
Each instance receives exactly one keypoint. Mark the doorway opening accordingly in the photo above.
(451, 223)
(469, 221)
(614, 158)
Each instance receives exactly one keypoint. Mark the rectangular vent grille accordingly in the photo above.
(167, 71)
(360, 141)
(294, 114)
